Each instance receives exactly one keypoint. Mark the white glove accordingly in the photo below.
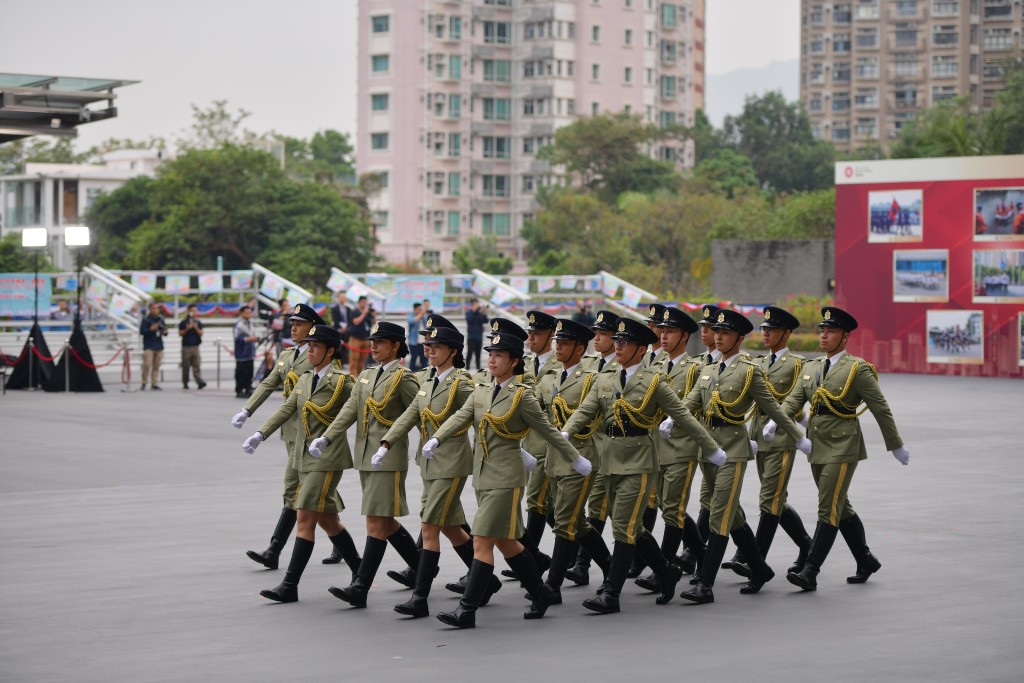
(769, 430)
(378, 457)
(805, 420)
(902, 454)
(429, 447)
(665, 428)
(565, 435)
(239, 419)
(717, 458)
(753, 446)
(804, 445)
(528, 460)
(252, 443)
(582, 465)
(317, 446)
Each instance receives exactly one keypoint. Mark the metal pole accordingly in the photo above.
(78, 287)
(31, 353)
(35, 287)
(67, 366)
(218, 363)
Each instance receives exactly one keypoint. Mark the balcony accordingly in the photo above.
(540, 13)
(489, 127)
(485, 52)
(491, 89)
(538, 52)
(536, 90)
(490, 166)
(23, 217)
(904, 44)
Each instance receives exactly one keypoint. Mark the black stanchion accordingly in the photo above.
(35, 366)
(77, 365)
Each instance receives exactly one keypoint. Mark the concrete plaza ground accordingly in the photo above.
(124, 520)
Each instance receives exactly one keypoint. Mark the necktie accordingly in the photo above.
(435, 387)
(316, 378)
(497, 389)
(721, 367)
(653, 354)
(710, 360)
(771, 361)
(600, 365)
(622, 377)
(536, 366)
(380, 371)
(565, 374)
(828, 364)
(669, 372)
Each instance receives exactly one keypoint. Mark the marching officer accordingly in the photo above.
(781, 368)
(316, 399)
(502, 414)
(597, 505)
(380, 397)
(655, 313)
(725, 393)
(836, 385)
(571, 487)
(629, 404)
(678, 454)
(290, 365)
(445, 472)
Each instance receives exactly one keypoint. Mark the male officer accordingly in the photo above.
(836, 385)
(781, 368)
(655, 313)
(678, 454)
(291, 364)
(629, 404)
(725, 393)
(380, 396)
(597, 505)
(570, 487)
(709, 356)
(316, 399)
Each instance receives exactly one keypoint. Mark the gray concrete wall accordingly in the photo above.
(764, 271)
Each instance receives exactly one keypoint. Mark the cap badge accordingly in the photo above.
(828, 314)
(533, 319)
(721, 317)
(600, 317)
(430, 322)
(375, 328)
(622, 327)
(768, 314)
(654, 310)
(312, 330)
(707, 312)
(495, 326)
(433, 333)
(496, 339)
(558, 327)
(666, 315)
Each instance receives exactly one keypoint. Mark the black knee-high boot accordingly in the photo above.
(288, 590)
(668, 574)
(867, 564)
(409, 550)
(416, 606)
(355, 594)
(562, 553)
(595, 547)
(346, 548)
(464, 616)
(704, 524)
(672, 536)
(824, 537)
(760, 572)
(529, 576)
(269, 557)
(465, 552)
(693, 557)
(607, 600)
(794, 527)
(702, 592)
(580, 572)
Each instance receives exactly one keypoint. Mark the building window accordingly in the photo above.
(841, 43)
(945, 66)
(381, 63)
(906, 8)
(595, 34)
(992, 72)
(498, 70)
(381, 220)
(381, 23)
(454, 106)
(867, 38)
(379, 141)
(595, 72)
(497, 32)
(816, 103)
(455, 28)
(867, 9)
(998, 38)
(867, 127)
(866, 98)
(669, 51)
(906, 98)
(528, 184)
(383, 178)
(454, 144)
(666, 119)
(627, 74)
(454, 180)
(943, 92)
(906, 34)
(668, 15)
(497, 147)
(454, 67)
(817, 74)
(497, 108)
(998, 9)
(818, 44)
(945, 36)
(627, 37)
(945, 8)
(495, 185)
(906, 65)
(867, 67)
(841, 72)
(453, 223)
(595, 109)
(841, 101)
(841, 133)
(495, 224)
(841, 13)
(379, 102)
(432, 259)
(668, 87)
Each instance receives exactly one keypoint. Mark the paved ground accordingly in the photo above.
(124, 520)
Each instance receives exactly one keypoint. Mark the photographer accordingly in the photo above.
(153, 330)
(245, 351)
(191, 332)
(359, 335)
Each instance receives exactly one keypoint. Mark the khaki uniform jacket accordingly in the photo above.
(563, 400)
(544, 380)
(454, 457)
(740, 387)
(780, 379)
(589, 362)
(500, 425)
(374, 407)
(839, 439)
(634, 454)
(285, 374)
(659, 357)
(314, 412)
(681, 447)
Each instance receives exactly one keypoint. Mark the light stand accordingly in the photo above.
(77, 236)
(35, 239)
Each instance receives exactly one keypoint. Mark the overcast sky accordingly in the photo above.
(292, 65)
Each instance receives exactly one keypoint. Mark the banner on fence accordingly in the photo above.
(18, 296)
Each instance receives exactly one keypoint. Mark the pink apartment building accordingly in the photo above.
(456, 98)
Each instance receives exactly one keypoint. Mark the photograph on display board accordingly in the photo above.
(955, 337)
(1020, 339)
(896, 216)
(998, 276)
(920, 275)
(999, 214)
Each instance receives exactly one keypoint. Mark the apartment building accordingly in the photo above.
(457, 98)
(867, 67)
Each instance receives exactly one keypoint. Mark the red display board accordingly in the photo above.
(930, 260)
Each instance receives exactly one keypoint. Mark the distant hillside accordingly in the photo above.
(726, 92)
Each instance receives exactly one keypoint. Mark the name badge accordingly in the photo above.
(363, 380)
(421, 393)
(807, 377)
(298, 391)
(705, 377)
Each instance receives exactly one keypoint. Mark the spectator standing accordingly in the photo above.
(476, 320)
(280, 325)
(583, 316)
(416, 321)
(245, 352)
(153, 330)
(340, 315)
(190, 329)
(359, 335)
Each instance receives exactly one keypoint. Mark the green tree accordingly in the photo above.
(950, 129)
(727, 173)
(1009, 109)
(15, 154)
(115, 215)
(326, 157)
(776, 136)
(707, 141)
(481, 253)
(215, 126)
(15, 258)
